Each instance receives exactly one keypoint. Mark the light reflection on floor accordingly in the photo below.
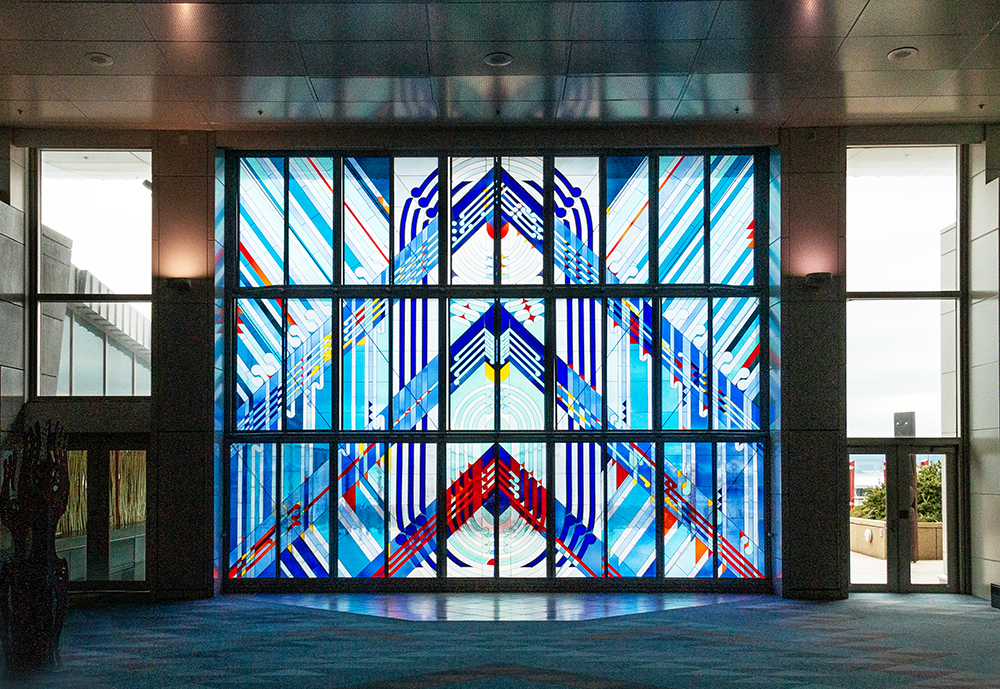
(497, 607)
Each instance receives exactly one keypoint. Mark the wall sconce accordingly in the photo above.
(817, 280)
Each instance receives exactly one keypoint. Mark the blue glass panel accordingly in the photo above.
(732, 225)
(522, 365)
(577, 198)
(473, 357)
(471, 499)
(366, 221)
(262, 222)
(627, 251)
(258, 365)
(736, 358)
(682, 219)
(579, 486)
(521, 227)
(413, 512)
(309, 352)
(630, 364)
(472, 206)
(579, 362)
(415, 204)
(415, 364)
(741, 510)
(521, 501)
(364, 400)
(252, 527)
(310, 221)
(684, 330)
(687, 510)
(305, 510)
(630, 474)
(361, 510)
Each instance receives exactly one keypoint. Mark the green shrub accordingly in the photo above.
(872, 504)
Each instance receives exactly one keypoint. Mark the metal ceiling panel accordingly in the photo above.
(866, 84)
(373, 89)
(631, 57)
(869, 53)
(927, 17)
(510, 111)
(233, 59)
(972, 82)
(355, 21)
(188, 21)
(31, 87)
(507, 87)
(67, 57)
(959, 108)
(123, 89)
(77, 21)
(249, 89)
(465, 58)
(642, 21)
(233, 113)
(773, 18)
(794, 54)
(138, 113)
(615, 110)
(497, 21)
(712, 87)
(987, 53)
(621, 87)
(826, 111)
(40, 112)
(740, 110)
(371, 111)
(368, 58)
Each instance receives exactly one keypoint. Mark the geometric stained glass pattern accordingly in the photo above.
(413, 510)
(365, 364)
(684, 329)
(736, 358)
(415, 364)
(366, 221)
(579, 364)
(262, 222)
(521, 499)
(521, 221)
(522, 371)
(627, 251)
(305, 510)
(310, 221)
(252, 528)
(576, 222)
(630, 364)
(361, 510)
(472, 369)
(308, 357)
(415, 205)
(471, 501)
(687, 510)
(472, 202)
(631, 473)
(579, 526)
(682, 219)
(732, 220)
(741, 510)
(258, 364)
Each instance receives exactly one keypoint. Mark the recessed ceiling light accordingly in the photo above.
(99, 59)
(902, 53)
(498, 59)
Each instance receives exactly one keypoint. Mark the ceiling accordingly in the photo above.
(229, 65)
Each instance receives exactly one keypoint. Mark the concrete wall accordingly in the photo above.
(12, 349)
(984, 393)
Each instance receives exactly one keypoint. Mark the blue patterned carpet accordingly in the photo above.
(581, 641)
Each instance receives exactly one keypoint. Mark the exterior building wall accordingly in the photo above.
(984, 431)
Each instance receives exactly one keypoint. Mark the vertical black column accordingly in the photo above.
(444, 360)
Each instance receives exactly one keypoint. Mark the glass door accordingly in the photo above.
(902, 519)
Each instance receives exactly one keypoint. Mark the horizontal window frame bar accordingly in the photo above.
(918, 295)
(63, 297)
(453, 437)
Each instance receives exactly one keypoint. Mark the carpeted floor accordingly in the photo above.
(480, 641)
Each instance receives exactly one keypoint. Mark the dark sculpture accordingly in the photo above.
(33, 583)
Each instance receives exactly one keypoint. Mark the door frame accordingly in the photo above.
(900, 508)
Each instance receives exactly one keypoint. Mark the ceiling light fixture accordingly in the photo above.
(902, 53)
(99, 59)
(498, 59)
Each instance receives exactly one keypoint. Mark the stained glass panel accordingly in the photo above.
(471, 504)
(521, 501)
(361, 510)
(741, 510)
(522, 364)
(684, 330)
(687, 510)
(473, 357)
(309, 353)
(258, 365)
(682, 219)
(365, 364)
(252, 528)
(472, 206)
(577, 198)
(632, 542)
(310, 221)
(415, 205)
(732, 222)
(262, 222)
(579, 526)
(366, 221)
(413, 515)
(579, 360)
(415, 364)
(305, 510)
(630, 364)
(736, 358)
(521, 227)
(627, 251)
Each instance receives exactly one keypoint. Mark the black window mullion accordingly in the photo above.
(716, 503)
(337, 352)
(549, 345)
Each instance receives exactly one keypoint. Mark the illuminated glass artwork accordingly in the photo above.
(361, 515)
(576, 185)
(732, 218)
(305, 510)
(262, 222)
(579, 364)
(522, 371)
(682, 219)
(740, 479)
(365, 364)
(688, 529)
(684, 332)
(310, 221)
(366, 221)
(415, 364)
(521, 221)
(252, 527)
(579, 499)
(308, 370)
(630, 364)
(578, 396)
(472, 220)
(258, 364)
(736, 358)
(416, 218)
(413, 510)
(627, 252)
